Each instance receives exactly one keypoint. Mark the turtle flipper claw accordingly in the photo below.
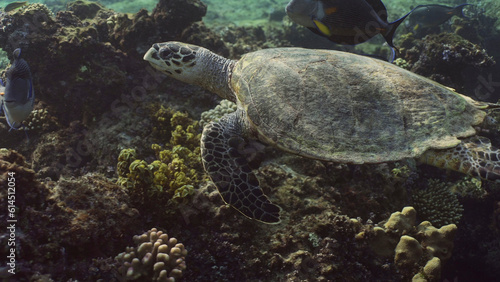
(474, 156)
(229, 170)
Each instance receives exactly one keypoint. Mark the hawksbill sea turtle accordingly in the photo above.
(327, 105)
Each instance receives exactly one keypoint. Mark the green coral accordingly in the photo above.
(186, 131)
(401, 171)
(162, 129)
(177, 127)
(469, 186)
(126, 157)
(402, 63)
(438, 204)
(177, 170)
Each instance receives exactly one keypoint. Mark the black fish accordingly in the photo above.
(433, 15)
(14, 5)
(18, 98)
(344, 22)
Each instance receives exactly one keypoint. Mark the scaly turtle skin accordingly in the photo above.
(326, 105)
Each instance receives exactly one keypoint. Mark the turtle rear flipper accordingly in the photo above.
(229, 170)
(474, 156)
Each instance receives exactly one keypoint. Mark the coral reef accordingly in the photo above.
(91, 52)
(156, 258)
(63, 152)
(73, 53)
(61, 223)
(446, 58)
(88, 73)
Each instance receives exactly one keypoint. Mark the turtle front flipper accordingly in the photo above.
(229, 170)
(474, 156)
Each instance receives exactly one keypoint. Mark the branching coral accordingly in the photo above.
(156, 258)
(186, 131)
(437, 204)
(177, 127)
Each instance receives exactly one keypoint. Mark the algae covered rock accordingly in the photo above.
(447, 58)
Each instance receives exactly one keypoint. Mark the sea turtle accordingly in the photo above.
(326, 105)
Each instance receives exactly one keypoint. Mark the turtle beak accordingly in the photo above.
(154, 59)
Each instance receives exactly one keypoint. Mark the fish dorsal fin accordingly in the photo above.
(19, 69)
(379, 8)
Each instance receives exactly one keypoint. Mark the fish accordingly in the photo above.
(344, 22)
(14, 5)
(18, 96)
(426, 16)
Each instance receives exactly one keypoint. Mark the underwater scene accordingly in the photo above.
(250, 140)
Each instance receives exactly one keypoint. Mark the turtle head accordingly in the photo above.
(175, 59)
(192, 64)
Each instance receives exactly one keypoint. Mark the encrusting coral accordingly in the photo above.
(156, 258)
(418, 251)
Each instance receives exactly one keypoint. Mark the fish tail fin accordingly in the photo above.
(458, 10)
(393, 55)
(26, 133)
(391, 29)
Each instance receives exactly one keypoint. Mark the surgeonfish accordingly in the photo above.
(18, 95)
(425, 16)
(344, 22)
(14, 5)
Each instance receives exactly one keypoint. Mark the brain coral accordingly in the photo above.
(156, 258)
